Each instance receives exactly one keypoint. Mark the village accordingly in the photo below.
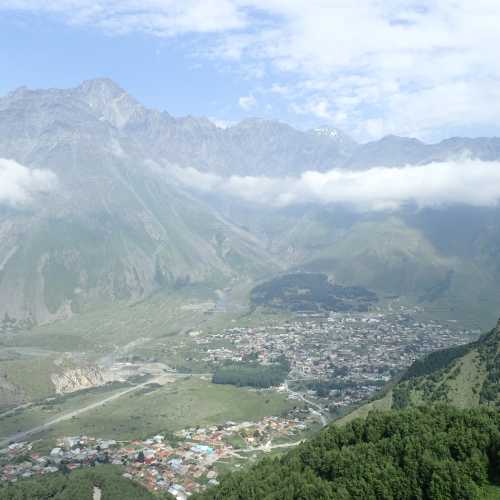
(179, 463)
(352, 354)
(336, 360)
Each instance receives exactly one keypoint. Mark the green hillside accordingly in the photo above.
(427, 453)
(465, 376)
(399, 256)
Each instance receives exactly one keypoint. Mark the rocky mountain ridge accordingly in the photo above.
(119, 227)
(254, 146)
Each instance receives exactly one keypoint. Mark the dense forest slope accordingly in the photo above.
(427, 453)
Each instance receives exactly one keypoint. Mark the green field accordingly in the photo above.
(32, 374)
(163, 315)
(36, 414)
(156, 329)
(187, 402)
(382, 404)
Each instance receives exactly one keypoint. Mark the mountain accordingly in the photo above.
(393, 151)
(115, 227)
(119, 226)
(254, 147)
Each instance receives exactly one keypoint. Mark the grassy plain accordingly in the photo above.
(187, 402)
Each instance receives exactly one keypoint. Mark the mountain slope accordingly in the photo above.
(115, 227)
(384, 255)
(465, 376)
(437, 453)
(446, 259)
(118, 225)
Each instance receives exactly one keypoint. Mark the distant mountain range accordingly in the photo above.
(252, 147)
(118, 226)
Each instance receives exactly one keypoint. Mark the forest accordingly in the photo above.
(252, 374)
(311, 292)
(426, 453)
(79, 485)
(436, 361)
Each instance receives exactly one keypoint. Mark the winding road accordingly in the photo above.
(317, 411)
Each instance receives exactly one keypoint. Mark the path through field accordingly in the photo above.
(21, 436)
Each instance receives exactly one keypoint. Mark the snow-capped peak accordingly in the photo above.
(327, 131)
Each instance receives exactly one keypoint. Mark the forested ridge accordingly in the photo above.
(421, 453)
(436, 361)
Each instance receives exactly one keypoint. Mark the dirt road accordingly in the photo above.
(21, 436)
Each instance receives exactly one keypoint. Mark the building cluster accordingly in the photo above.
(357, 352)
(182, 464)
(335, 360)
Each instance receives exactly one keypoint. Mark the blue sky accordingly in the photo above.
(40, 51)
(429, 69)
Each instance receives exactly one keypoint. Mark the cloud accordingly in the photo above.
(373, 67)
(19, 184)
(156, 17)
(470, 182)
(247, 102)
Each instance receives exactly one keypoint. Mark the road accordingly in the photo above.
(316, 409)
(21, 436)
(16, 409)
(268, 447)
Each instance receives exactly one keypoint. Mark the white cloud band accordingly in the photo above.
(469, 182)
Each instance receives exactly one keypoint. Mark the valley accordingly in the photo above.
(162, 313)
(162, 383)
